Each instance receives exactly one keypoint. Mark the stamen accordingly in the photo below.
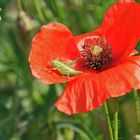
(96, 53)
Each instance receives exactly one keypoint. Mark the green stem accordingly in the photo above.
(137, 104)
(116, 119)
(108, 121)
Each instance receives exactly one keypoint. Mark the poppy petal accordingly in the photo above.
(81, 95)
(134, 52)
(50, 43)
(89, 91)
(79, 38)
(121, 79)
(121, 28)
(98, 31)
(126, 0)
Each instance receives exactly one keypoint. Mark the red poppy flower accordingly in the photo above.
(105, 58)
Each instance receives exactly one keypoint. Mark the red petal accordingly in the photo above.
(82, 95)
(50, 43)
(134, 52)
(121, 27)
(119, 80)
(126, 0)
(78, 38)
(89, 91)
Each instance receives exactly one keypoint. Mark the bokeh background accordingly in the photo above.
(27, 109)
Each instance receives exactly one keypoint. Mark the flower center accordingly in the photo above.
(96, 50)
(96, 53)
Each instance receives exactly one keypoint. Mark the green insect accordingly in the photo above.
(64, 68)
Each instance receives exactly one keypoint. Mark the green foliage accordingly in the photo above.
(27, 109)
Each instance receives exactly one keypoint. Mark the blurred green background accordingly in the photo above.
(27, 109)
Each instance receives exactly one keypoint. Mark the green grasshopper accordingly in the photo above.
(64, 68)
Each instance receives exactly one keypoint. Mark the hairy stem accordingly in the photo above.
(108, 121)
(137, 104)
(116, 119)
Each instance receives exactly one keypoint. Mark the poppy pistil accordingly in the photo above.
(96, 53)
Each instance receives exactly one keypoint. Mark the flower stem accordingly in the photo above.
(108, 121)
(137, 104)
(116, 119)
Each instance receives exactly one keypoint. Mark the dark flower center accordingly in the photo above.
(96, 53)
